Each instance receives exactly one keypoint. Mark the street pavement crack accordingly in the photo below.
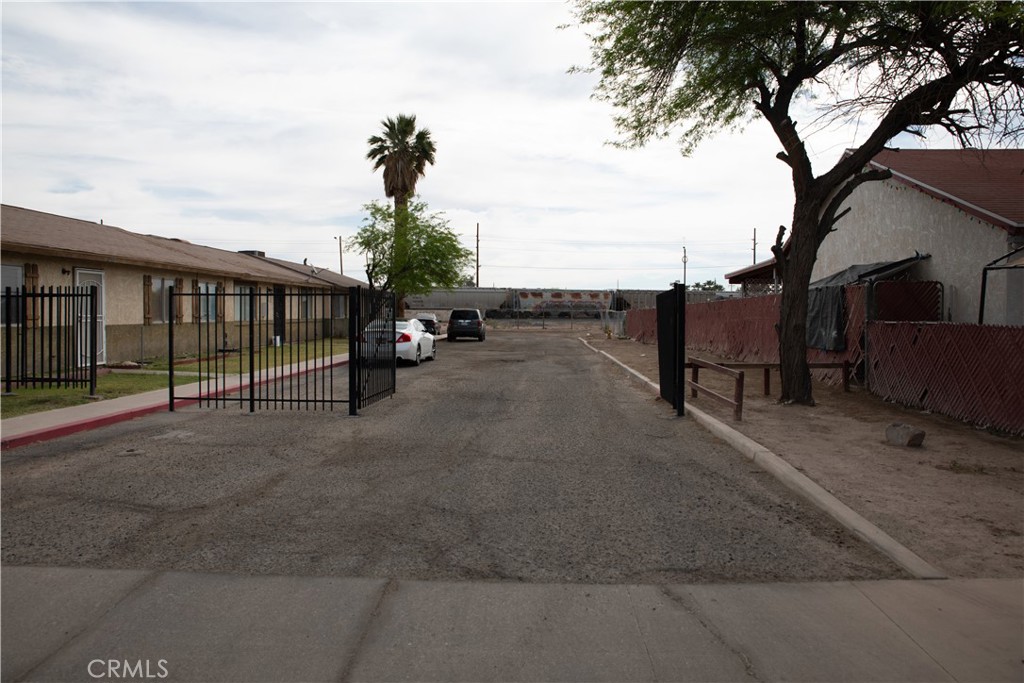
(693, 609)
(369, 621)
(640, 632)
(142, 584)
(904, 631)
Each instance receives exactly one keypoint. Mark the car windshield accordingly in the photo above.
(465, 315)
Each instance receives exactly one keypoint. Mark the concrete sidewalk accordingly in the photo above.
(70, 624)
(51, 424)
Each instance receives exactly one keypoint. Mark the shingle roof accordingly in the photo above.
(327, 276)
(44, 233)
(988, 184)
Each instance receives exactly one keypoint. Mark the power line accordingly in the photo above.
(605, 268)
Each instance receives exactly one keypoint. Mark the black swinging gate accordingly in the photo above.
(274, 349)
(371, 346)
(672, 346)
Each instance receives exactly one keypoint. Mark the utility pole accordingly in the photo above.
(684, 266)
(341, 255)
(755, 245)
(478, 255)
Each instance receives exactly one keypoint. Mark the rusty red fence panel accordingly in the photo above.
(642, 325)
(744, 329)
(738, 329)
(973, 373)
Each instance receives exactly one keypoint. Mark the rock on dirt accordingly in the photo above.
(900, 434)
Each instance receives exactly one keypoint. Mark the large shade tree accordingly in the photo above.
(403, 152)
(699, 67)
(409, 251)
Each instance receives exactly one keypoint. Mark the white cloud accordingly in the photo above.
(244, 126)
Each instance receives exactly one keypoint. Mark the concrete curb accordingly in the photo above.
(143, 405)
(68, 428)
(800, 483)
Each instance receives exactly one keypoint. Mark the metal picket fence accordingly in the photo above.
(50, 337)
(272, 349)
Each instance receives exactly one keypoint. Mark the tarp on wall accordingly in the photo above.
(826, 313)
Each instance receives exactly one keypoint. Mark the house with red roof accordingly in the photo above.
(963, 207)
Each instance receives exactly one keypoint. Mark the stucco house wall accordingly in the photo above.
(126, 336)
(890, 221)
(44, 250)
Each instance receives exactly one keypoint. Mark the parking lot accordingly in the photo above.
(523, 458)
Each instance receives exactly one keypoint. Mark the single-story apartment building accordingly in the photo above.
(133, 274)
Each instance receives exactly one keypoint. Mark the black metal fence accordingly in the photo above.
(50, 337)
(372, 352)
(272, 349)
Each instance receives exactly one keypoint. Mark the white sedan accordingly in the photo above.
(413, 342)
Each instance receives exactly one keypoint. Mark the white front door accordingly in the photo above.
(93, 278)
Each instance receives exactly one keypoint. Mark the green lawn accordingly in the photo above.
(112, 385)
(267, 357)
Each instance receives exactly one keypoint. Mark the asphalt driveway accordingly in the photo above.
(524, 458)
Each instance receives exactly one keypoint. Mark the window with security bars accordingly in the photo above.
(13, 277)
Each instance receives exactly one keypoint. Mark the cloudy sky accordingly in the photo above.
(244, 126)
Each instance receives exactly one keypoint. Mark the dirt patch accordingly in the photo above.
(957, 501)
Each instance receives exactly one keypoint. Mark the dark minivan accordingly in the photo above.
(466, 322)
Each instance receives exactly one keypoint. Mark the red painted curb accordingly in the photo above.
(47, 433)
(57, 431)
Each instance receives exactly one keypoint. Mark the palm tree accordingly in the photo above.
(403, 152)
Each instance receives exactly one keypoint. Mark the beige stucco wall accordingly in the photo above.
(890, 221)
(124, 292)
(126, 337)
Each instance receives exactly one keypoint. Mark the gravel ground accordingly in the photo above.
(957, 501)
(524, 458)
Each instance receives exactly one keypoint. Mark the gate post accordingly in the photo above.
(7, 340)
(170, 355)
(353, 350)
(680, 348)
(94, 309)
(252, 349)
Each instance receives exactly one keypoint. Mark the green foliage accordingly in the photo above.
(409, 250)
(706, 286)
(707, 66)
(403, 152)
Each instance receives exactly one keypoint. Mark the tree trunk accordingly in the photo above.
(796, 276)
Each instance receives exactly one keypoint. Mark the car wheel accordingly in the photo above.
(433, 351)
(451, 337)
(418, 354)
(480, 338)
